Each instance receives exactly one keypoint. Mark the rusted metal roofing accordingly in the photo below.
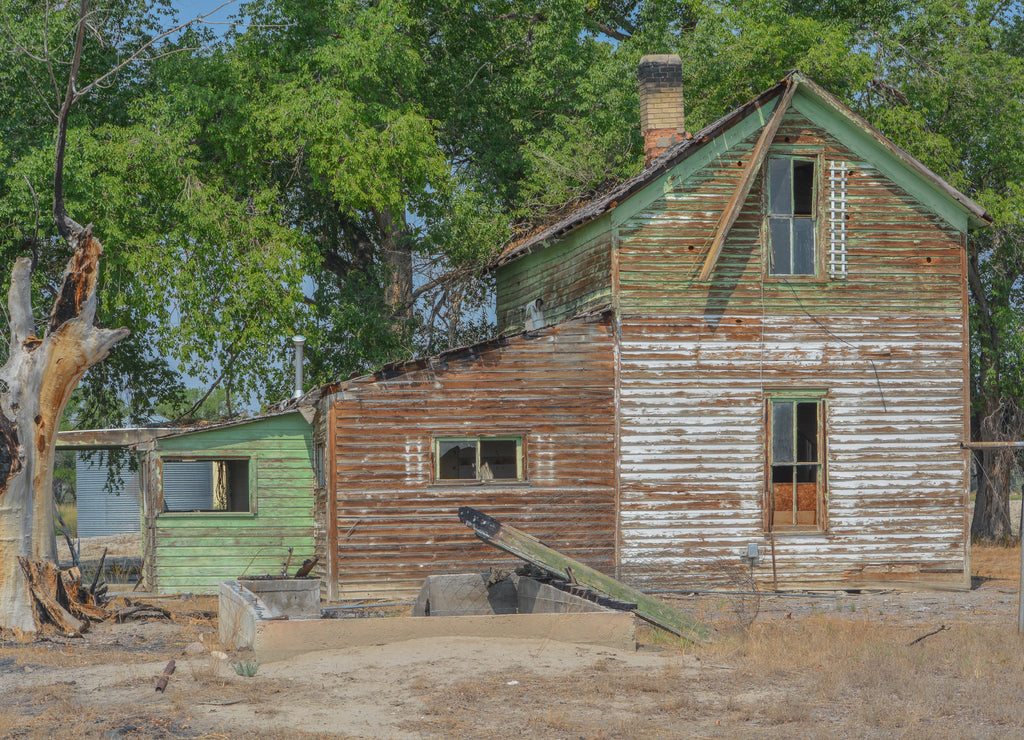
(684, 149)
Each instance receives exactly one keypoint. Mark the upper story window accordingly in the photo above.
(791, 216)
(478, 459)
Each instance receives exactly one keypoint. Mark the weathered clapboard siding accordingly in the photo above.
(194, 551)
(571, 277)
(395, 526)
(886, 343)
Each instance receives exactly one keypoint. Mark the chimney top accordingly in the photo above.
(662, 120)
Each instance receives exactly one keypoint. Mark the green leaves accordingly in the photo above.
(289, 176)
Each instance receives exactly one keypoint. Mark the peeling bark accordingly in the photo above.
(35, 385)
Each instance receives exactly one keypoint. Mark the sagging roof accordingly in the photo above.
(398, 368)
(977, 216)
(95, 439)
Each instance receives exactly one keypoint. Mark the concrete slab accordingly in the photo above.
(280, 640)
(517, 608)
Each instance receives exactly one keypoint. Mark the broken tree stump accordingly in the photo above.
(50, 600)
(35, 383)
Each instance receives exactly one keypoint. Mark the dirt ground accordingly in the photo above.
(824, 665)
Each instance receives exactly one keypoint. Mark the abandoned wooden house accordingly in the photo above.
(750, 358)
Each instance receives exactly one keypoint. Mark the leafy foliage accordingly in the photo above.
(321, 167)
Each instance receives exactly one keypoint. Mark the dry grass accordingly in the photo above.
(853, 674)
(819, 675)
(991, 561)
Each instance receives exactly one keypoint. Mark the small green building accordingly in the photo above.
(226, 501)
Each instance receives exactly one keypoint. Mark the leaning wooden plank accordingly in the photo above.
(739, 197)
(532, 550)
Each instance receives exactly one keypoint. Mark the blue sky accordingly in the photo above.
(188, 9)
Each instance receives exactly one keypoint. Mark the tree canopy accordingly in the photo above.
(319, 167)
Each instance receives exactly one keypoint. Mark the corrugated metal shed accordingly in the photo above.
(102, 512)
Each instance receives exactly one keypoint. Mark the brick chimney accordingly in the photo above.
(661, 103)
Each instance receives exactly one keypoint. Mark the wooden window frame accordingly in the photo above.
(435, 466)
(250, 461)
(820, 524)
(820, 273)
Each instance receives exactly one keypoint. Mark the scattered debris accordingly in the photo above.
(307, 566)
(533, 551)
(161, 684)
(60, 600)
(929, 634)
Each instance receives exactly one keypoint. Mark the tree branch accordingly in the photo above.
(67, 228)
(137, 54)
(19, 303)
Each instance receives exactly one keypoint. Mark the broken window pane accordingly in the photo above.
(457, 460)
(780, 194)
(803, 188)
(498, 459)
(206, 485)
(791, 207)
(807, 432)
(796, 486)
(803, 246)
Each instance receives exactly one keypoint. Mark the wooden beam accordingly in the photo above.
(739, 197)
(532, 550)
(991, 445)
(93, 439)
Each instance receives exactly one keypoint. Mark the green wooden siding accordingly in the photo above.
(892, 240)
(571, 276)
(195, 551)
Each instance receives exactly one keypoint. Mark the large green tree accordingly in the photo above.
(343, 169)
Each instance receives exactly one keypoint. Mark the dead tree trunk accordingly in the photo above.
(35, 385)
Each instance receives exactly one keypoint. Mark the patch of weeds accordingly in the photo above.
(247, 668)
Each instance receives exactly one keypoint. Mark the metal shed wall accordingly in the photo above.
(188, 486)
(888, 344)
(101, 512)
(390, 525)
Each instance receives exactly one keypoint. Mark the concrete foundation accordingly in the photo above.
(459, 606)
(298, 598)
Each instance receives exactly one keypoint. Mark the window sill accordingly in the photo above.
(798, 532)
(199, 512)
(796, 279)
(478, 483)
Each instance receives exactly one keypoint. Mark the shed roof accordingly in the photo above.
(976, 215)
